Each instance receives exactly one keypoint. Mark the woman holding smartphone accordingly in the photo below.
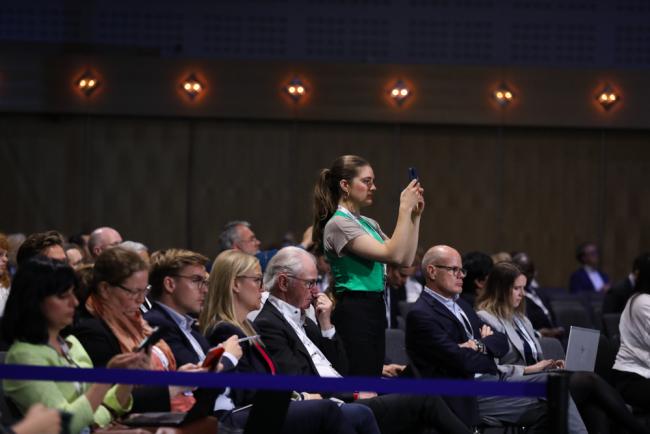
(358, 250)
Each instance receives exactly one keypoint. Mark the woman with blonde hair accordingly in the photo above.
(235, 289)
(501, 306)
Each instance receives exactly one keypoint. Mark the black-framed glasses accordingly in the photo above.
(309, 283)
(257, 279)
(454, 270)
(197, 280)
(135, 293)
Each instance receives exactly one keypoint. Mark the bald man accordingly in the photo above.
(445, 338)
(102, 239)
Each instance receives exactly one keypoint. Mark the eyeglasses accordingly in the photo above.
(195, 279)
(257, 279)
(135, 293)
(308, 283)
(454, 270)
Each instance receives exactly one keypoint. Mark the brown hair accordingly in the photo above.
(115, 265)
(327, 192)
(497, 296)
(170, 262)
(36, 243)
(4, 245)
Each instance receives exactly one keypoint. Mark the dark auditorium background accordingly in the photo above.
(547, 171)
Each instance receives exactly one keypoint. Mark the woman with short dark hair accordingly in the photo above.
(41, 304)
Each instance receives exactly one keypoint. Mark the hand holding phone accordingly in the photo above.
(413, 174)
(212, 358)
(151, 340)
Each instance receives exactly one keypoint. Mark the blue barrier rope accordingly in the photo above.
(275, 382)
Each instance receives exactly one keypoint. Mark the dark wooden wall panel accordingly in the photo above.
(175, 182)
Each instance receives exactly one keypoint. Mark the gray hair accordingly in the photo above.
(287, 260)
(230, 234)
(134, 246)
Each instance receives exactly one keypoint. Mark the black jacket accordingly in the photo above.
(433, 334)
(174, 336)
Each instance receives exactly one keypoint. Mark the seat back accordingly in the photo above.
(396, 346)
(552, 348)
(571, 312)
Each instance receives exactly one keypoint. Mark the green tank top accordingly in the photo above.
(352, 272)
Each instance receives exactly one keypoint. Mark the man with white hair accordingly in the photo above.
(299, 346)
(102, 239)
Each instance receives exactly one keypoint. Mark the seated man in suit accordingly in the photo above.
(179, 286)
(299, 346)
(588, 277)
(445, 338)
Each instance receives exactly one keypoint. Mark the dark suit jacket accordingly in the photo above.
(251, 361)
(618, 295)
(174, 336)
(432, 337)
(287, 351)
(101, 345)
(580, 281)
(536, 314)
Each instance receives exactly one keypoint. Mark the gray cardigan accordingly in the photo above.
(514, 362)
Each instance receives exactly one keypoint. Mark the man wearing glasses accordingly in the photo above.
(179, 285)
(299, 346)
(445, 338)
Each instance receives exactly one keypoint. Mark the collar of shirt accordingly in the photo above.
(449, 303)
(185, 322)
(289, 311)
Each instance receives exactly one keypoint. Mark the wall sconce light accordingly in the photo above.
(607, 97)
(87, 83)
(503, 95)
(192, 86)
(400, 92)
(295, 89)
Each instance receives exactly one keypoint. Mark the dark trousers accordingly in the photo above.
(310, 417)
(412, 414)
(634, 388)
(360, 320)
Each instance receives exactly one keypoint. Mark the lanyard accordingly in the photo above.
(360, 221)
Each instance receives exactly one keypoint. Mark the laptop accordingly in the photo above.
(582, 349)
(203, 407)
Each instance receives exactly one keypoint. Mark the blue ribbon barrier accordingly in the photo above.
(275, 382)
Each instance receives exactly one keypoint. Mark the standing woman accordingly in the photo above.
(357, 251)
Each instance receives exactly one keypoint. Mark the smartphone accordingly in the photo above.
(66, 418)
(151, 340)
(212, 357)
(413, 174)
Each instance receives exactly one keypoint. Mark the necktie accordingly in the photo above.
(528, 352)
(265, 356)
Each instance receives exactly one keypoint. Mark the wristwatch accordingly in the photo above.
(480, 346)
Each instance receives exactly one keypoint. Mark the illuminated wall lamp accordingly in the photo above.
(608, 98)
(87, 83)
(192, 86)
(503, 95)
(295, 89)
(400, 92)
